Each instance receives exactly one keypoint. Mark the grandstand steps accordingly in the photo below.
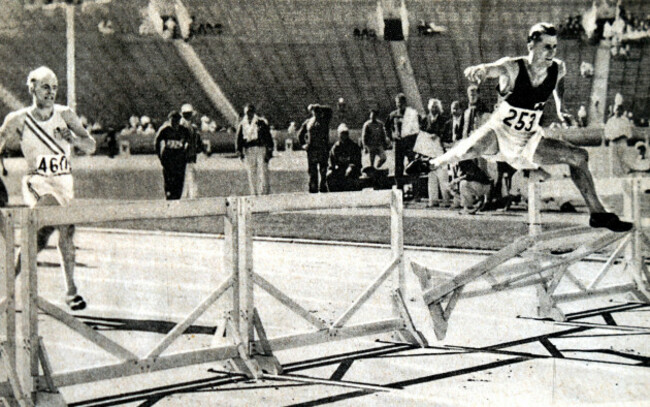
(207, 82)
(406, 76)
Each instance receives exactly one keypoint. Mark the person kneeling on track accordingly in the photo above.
(344, 163)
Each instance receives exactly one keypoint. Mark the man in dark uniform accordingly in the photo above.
(345, 163)
(513, 133)
(314, 137)
(171, 148)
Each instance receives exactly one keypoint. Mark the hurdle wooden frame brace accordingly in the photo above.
(442, 290)
(31, 387)
(247, 349)
(260, 350)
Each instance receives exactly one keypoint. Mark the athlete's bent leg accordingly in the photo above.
(481, 142)
(552, 151)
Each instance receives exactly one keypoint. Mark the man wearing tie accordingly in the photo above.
(454, 127)
(474, 111)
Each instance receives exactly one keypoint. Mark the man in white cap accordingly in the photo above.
(48, 132)
(194, 147)
(344, 163)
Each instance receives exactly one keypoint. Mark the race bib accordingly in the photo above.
(49, 165)
(522, 120)
(174, 144)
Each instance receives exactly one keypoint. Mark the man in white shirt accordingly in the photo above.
(255, 146)
(617, 131)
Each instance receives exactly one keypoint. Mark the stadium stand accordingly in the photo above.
(117, 75)
(282, 55)
(630, 77)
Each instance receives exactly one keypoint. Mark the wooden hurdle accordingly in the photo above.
(30, 387)
(247, 349)
(545, 271)
(250, 328)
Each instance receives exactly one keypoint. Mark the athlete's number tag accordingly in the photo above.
(522, 120)
(52, 164)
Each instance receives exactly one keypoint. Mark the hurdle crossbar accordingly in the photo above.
(336, 200)
(70, 215)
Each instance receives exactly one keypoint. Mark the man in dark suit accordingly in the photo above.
(472, 118)
(454, 126)
(314, 137)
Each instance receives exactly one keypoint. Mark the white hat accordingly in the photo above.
(342, 127)
(640, 144)
(205, 118)
(145, 120)
(187, 108)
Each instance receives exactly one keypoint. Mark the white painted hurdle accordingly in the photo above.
(245, 316)
(247, 349)
(442, 290)
(33, 388)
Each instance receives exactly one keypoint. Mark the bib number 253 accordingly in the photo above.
(520, 120)
(53, 164)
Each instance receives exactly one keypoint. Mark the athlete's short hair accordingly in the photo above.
(539, 29)
(38, 74)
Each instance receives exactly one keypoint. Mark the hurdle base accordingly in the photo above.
(409, 334)
(547, 307)
(50, 399)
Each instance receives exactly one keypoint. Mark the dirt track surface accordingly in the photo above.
(137, 283)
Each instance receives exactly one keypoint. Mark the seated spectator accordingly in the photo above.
(205, 124)
(344, 163)
(111, 143)
(356, 32)
(106, 27)
(423, 28)
(146, 127)
(582, 116)
(473, 186)
(169, 28)
(586, 69)
(640, 165)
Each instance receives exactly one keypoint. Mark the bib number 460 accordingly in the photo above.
(522, 120)
(53, 164)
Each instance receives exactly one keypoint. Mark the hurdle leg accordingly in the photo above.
(30, 363)
(534, 208)
(634, 252)
(8, 288)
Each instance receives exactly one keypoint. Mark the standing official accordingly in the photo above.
(194, 147)
(314, 137)
(255, 146)
(171, 148)
(403, 126)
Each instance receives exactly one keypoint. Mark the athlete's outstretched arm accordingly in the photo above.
(480, 72)
(79, 137)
